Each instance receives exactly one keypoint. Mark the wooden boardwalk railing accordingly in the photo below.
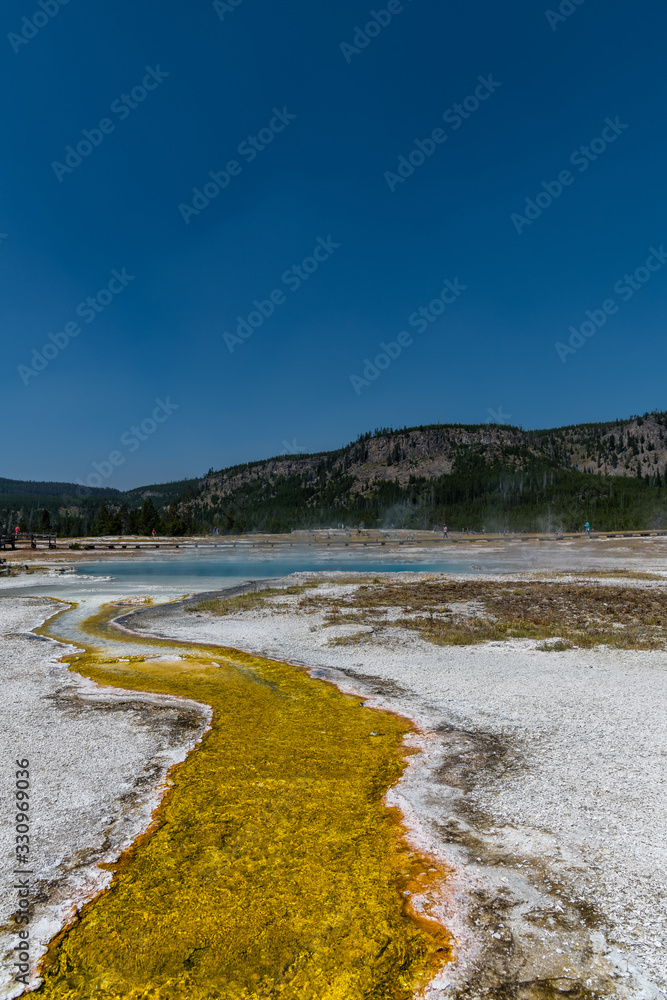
(10, 540)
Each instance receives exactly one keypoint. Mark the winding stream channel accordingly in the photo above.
(272, 868)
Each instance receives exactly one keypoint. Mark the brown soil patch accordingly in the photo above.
(463, 613)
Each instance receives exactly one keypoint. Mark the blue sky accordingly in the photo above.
(304, 120)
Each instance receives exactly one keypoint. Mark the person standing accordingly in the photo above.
(445, 532)
(588, 529)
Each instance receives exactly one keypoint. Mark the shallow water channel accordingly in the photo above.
(273, 867)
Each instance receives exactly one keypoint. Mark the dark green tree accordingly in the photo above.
(175, 526)
(134, 522)
(123, 517)
(102, 520)
(150, 519)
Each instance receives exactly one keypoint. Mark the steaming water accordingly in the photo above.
(166, 576)
(170, 576)
(207, 569)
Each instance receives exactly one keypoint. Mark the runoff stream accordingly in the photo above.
(273, 868)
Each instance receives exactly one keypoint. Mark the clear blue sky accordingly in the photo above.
(339, 115)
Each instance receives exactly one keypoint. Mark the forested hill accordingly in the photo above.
(492, 476)
(624, 448)
(483, 476)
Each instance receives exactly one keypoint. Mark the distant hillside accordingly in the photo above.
(20, 488)
(163, 493)
(489, 475)
(625, 448)
(72, 510)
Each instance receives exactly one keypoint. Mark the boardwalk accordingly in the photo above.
(23, 539)
(328, 538)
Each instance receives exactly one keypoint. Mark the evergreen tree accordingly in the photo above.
(115, 523)
(175, 525)
(150, 518)
(102, 521)
(123, 518)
